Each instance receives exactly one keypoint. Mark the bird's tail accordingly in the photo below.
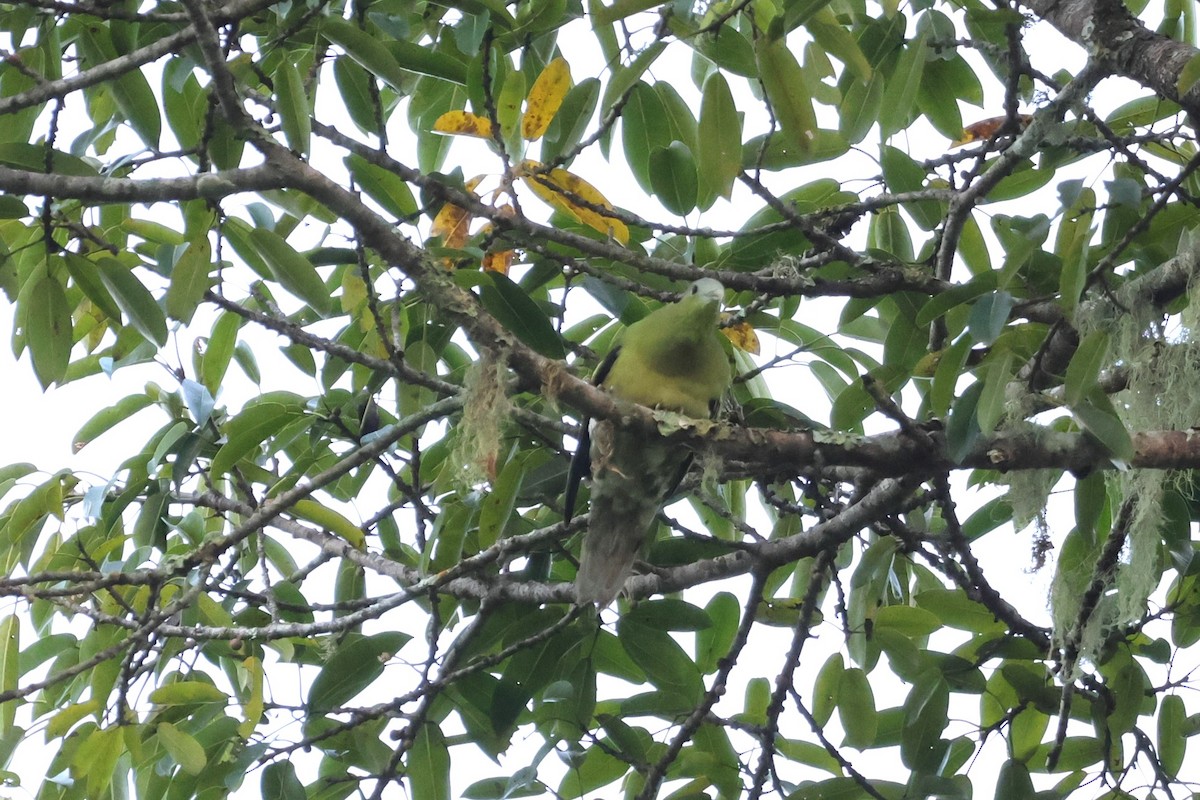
(606, 562)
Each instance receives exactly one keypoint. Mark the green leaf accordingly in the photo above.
(12, 207)
(295, 112)
(46, 648)
(903, 174)
(1025, 732)
(352, 668)
(249, 429)
(33, 158)
(86, 275)
(1140, 112)
(787, 90)
(48, 331)
(779, 154)
(106, 418)
(184, 748)
(903, 87)
(989, 315)
(508, 107)
(645, 127)
(728, 48)
(670, 614)
(366, 50)
(597, 768)
(856, 709)
(96, 758)
(910, 621)
(386, 188)
(810, 753)
(839, 42)
(1084, 369)
(945, 378)
(189, 280)
(888, 233)
(861, 105)
(925, 717)
(937, 100)
(939, 304)
(665, 663)
(572, 120)
(513, 309)
(293, 271)
(355, 85)
(995, 385)
(62, 722)
(219, 351)
(1071, 245)
(1014, 782)
(1188, 75)
(182, 693)
(134, 299)
(427, 61)
(954, 609)
(131, 91)
(714, 640)
(1098, 417)
(1172, 743)
(673, 177)
(1023, 181)
(827, 688)
(279, 781)
(624, 77)
(974, 248)
(10, 668)
(330, 520)
(429, 764)
(720, 140)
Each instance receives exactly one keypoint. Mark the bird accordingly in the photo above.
(672, 359)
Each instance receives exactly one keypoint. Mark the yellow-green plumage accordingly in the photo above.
(672, 359)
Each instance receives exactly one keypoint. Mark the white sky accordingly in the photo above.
(38, 427)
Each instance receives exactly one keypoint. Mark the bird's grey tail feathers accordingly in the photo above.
(616, 533)
(633, 475)
(605, 564)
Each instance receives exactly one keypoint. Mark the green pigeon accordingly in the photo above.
(672, 359)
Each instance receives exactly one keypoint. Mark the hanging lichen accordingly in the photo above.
(1163, 369)
(485, 410)
(1028, 491)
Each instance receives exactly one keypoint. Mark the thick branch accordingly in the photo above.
(99, 190)
(1123, 45)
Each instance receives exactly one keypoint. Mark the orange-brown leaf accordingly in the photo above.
(574, 196)
(743, 337)
(987, 128)
(463, 123)
(545, 97)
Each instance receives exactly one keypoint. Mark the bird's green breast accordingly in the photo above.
(684, 374)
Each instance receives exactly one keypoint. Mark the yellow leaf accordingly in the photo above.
(452, 224)
(354, 291)
(743, 337)
(544, 98)
(463, 123)
(254, 704)
(573, 195)
(498, 261)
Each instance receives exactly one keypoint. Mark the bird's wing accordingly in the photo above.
(581, 462)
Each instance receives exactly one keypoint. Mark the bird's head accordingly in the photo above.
(709, 290)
